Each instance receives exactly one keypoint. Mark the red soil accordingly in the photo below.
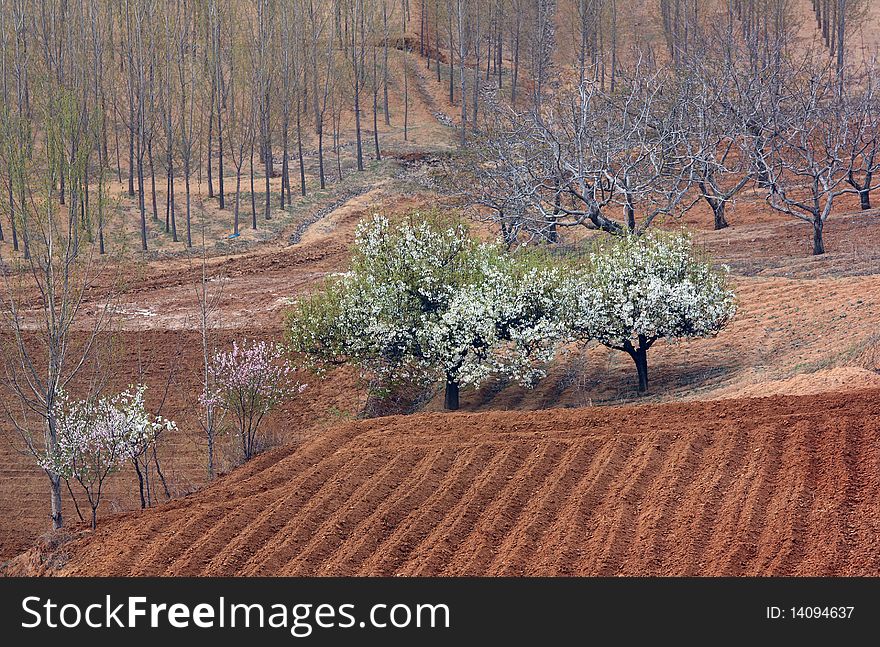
(780, 485)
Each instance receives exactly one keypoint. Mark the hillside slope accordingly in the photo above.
(779, 485)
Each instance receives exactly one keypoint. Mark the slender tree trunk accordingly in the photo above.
(357, 124)
(211, 142)
(285, 167)
(451, 61)
(385, 109)
(235, 232)
(57, 518)
(168, 201)
(118, 161)
(186, 174)
(12, 216)
(211, 457)
(299, 146)
(515, 80)
(137, 470)
(220, 158)
(253, 192)
(131, 159)
(405, 94)
(173, 210)
(376, 107)
(152, 179)
(141, 197)
(322, 179)
(267, 165)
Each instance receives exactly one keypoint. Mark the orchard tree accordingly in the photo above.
(423, 301)
(635, 290)
(808, 160)
(96, 437)
(863, 109)
(591, 158)
(718, 139)
(248, 382)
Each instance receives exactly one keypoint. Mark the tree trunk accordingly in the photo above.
(299, 146)
(818, 242)
(865, 199)
(450, 398)
(131, 158)
(639, 355)
(220, 188)
(141, 202)
(267, 165)
(211, 458)
(357, 126)
(235, 221)
(718, 211)
(12, 217)
(186, 173)
(321, 178)
(253, 192)
(152, 179)
(641, 360)
(137, 470)
(211, 145)
(285, 167)
(57, 519)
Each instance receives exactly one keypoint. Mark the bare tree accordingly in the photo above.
(264, 70)
(588, 153)
(186, 76)
(808, 159)
(864, 150)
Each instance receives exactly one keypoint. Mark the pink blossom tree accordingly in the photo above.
(97, 436)
(248, 382)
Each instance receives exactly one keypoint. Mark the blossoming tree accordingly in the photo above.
(96, 437)
(248, 382)
(424, 301)
(636, 290)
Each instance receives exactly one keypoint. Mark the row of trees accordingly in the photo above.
(152, 93)
(424, 301)
(668, 137)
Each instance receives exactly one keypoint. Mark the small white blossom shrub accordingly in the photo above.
(248, 382)
(635, 290)
(96, 437)
(426, 302)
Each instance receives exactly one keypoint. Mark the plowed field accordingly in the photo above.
(781, 485)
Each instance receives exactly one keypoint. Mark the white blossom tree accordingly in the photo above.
(635, 290)
(425, 302)
(96, 437)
